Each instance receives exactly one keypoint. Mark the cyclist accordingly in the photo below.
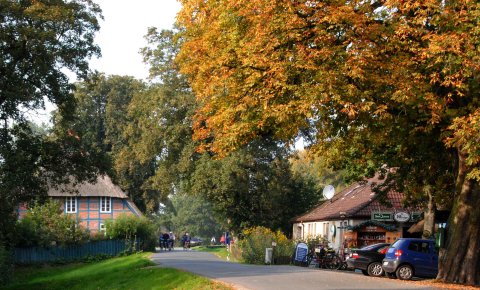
(186, 241)
(165, 238)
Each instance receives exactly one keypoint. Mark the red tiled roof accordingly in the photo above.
(356, 201)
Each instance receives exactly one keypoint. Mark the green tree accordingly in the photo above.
(254, 187)
(101, 117)
(158, 136)
(192, 214)
(39, 39)
(315, 169)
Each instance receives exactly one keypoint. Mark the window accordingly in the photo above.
(105, 204)
(71, 204)
(103, 227)
(425, 248)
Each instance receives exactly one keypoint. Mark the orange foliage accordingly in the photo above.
(274, 67)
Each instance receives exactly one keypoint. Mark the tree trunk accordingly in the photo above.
(459, 262)
(429, 215)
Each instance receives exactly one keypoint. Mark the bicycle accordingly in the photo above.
(343, 261)
(328, 259)
(186, 245)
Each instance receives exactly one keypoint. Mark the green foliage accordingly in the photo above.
(96, 258)
(129, 272)
(189, 213)
(100, 119)
(254, 186)
(313, 241)
(218, 250)
(6, 265)
(314, 169)
(40, 41)
(45, 225)
(132, 229)
(256, 240)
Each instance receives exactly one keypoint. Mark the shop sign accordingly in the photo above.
(371, 229)
(415, 216)
(382, 216)
(401, 216)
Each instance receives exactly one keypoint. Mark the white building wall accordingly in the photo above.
(323, 228)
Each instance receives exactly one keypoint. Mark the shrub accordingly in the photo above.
(132, 229)
(256, 240)
(44, 225)
(313, 241)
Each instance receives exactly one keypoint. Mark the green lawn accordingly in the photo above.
(130, 272)
(218, 251)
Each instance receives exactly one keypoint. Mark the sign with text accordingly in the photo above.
(415, 216)
(382, 216)
(301, 252)
(401, 216)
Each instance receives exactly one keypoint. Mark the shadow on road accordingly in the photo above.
(273, 277)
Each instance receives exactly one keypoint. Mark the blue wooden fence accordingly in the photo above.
(70, 252)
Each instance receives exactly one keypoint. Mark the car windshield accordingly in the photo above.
(369, 247)
(396, 244)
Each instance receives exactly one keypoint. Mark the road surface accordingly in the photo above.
(255, 277)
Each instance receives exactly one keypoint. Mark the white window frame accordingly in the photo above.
(108, 204)
(103, 227)
(71, 204)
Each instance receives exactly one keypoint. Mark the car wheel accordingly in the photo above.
(404, 272)
(375, 269)
(365, 272)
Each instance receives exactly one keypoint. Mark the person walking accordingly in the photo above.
(213, 241)
(171, 240)
(222, 239)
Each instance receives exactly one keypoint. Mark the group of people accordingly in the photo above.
(224, 239)
(166, 241)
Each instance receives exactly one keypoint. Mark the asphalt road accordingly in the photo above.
(257, 277)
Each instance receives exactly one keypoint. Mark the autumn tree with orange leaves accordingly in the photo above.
(369, 83)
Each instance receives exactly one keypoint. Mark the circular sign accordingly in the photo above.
(332, 230)
(401, 216)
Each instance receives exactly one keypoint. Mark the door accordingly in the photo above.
(420, 255)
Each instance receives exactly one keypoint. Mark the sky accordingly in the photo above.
(122, 33)
(121, 37)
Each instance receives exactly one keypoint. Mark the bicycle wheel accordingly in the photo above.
(335, 262)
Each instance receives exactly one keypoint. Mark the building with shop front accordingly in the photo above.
(356, 217)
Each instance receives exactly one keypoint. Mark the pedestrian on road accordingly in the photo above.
(171, 240)
(222, 239)
(227, 240)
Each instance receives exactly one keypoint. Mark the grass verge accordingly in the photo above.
(130, 272)
(220, 252)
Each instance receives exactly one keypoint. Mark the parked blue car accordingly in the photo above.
(411, 257)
